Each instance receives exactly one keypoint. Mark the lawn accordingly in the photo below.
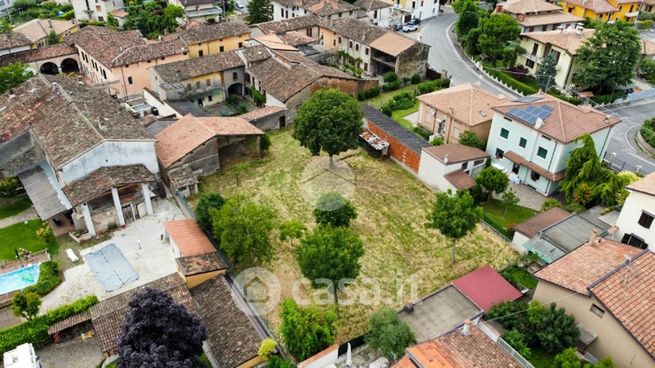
(541, 359)
(519, 277)
(13, 206)
(22, 235)
(392, 207)
(399, 116)
(383, 97)
(515, 214)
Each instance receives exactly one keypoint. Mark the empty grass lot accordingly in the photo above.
(515, 214)
(392, 207)
(21, 235)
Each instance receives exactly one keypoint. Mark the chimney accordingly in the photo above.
(445, 159)
(466, 328)
(593, 236)
(539, 123)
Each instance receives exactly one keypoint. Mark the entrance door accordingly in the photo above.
(283, 121)
(128, 213)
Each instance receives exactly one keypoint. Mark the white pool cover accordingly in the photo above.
(110, 267)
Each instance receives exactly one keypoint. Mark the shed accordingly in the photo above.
(404, 146)
(485, 287)
(451, 166)
(187, 239)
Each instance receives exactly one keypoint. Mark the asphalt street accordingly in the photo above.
(444, 56)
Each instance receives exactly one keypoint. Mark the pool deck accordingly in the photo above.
(141, 244)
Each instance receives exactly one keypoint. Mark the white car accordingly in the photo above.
(410, 27)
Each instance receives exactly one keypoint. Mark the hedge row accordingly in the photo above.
(513, 83)
(433, 85)
(36, 330)
(48, 279)
(369, 93)
(648, 132)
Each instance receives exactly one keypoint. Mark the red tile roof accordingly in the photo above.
(454, 153)
(460, 180)
(540, 222)
(486, 287)
(188, 237)
(585, 265)
(628, 292)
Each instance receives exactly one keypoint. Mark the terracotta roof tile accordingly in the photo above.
(200, 263)
(393, 43)
(583, 266)
(292, 24)
(516, 158)
(354, 29)
(598, 6)
(550, 18)
(529, 6)
(568, 40)
(103, 179)
(186, 69)
(566, 122)
(274, 42)
(13, 40)
(67, 118)
(541, 221)
(37, 29)
(468, 103)
(208, 32)
(188, 237)
(105, 44)
(486, 287)
(232, 336)
(40, 53)
(629, 294)
(189, 132)
(325, 8)
(150, 51)
(318, 356)
(372, 4)
(460, 180)
(69, 322)
(255, 54)
(261, 112)
(645, 185)
(108, 316)
(455, 153)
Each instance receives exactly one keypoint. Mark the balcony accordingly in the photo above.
(534, 58)
(202, 90)
(383, 58)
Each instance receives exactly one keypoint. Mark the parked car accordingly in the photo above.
(413, 22)
(397, 27)
(410, 28)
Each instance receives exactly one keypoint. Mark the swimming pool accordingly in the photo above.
(19, 279)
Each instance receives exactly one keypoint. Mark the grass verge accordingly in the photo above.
(22, 235)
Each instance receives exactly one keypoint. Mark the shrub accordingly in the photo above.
(437, 141)
(264, 144)
(277, 362)
(8, 187)
(583, 194)
(516, 340)
(550, 203)
(388, 334)
(26, 305)
(647, 69)
(425, 134)
(306, 331)
(570, 99)
(334, 210)
(507, 79)
(648, 132)
(469, 138)
(518, 72)
(389, 77)
(267, 348)
(400, 101)
(36, 330)
(416, 78)
(430, 86)
(206, 203)
(369, 93)
(258, 98)
(391, 86)
(645, 24)
(48, 279)
(646, 16)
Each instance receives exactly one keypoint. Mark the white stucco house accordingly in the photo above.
(451, 166)
(98, 10)
(84, 161)
(635, 221)
(533, 137)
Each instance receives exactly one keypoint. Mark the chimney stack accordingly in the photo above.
(593, 236)
(445, 159)
(466, 328)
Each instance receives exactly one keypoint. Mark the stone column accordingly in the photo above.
(117, 204)
(146, 198)
(88, 220)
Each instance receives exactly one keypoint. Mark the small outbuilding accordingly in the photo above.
(451, 166)
(485, 287)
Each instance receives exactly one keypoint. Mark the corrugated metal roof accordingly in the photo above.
(486, 287)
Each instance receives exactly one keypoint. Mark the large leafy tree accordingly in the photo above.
(492, 180)
(608, 58)
(153, 18)
(334, 210)
(306, 331)
(496, 33)
(26, 304)
(546, 73)
(469, 138)
(259, 11)
(243, 229)
(454, 215)
(330, 253)
(555, 330)
(388, 334)
(13, 75)
(329, 121)
(160, 333)
(469, 18)
(207, 202)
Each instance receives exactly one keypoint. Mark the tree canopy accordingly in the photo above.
(160, 333)
(26, 305)
(492, 180)
(334, 210)
(13, 75)
(469, 17)
(153, 18)
(388, 334)
(207, 202)
(547, 71)
(259, 11)
(306, 331)
(243, 229)
(330, 253)
(608, 58)
(454, 215)
(469, 138)
(496, 31)
(328, 121)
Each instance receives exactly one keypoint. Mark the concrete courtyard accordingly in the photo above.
(151, 260)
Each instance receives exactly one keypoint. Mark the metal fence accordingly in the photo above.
(615, 164)
(515, 354)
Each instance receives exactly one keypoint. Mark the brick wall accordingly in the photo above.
(396, 149)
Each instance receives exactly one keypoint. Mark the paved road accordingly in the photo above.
(443, 55)
(623, 138)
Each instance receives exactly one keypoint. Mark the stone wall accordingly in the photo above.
(413, 60)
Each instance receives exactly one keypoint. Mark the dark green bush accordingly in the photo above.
(391, 86)
(422, 132)
(524, 88)
(437, 141)
(400, 101)
(389, 77)
(433, 85)
(48, 279)
(648, 132)
(516, 340)
(36, 330)
(264, 143)
(416, 78)
(369, 93)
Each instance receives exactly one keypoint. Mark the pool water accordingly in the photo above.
(19, 279)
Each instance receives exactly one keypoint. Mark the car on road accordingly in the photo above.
(239, 5)
(413, 22)
(410, 28)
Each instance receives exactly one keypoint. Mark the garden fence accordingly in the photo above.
(515, 354)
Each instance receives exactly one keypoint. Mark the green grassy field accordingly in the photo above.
(22, 235)
(392, 208)
(512, 216)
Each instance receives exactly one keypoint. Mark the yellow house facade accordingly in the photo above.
(211, 39)
(603, 10)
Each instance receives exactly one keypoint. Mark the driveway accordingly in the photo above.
(72, 354)
(151, 260)
(443, 54)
